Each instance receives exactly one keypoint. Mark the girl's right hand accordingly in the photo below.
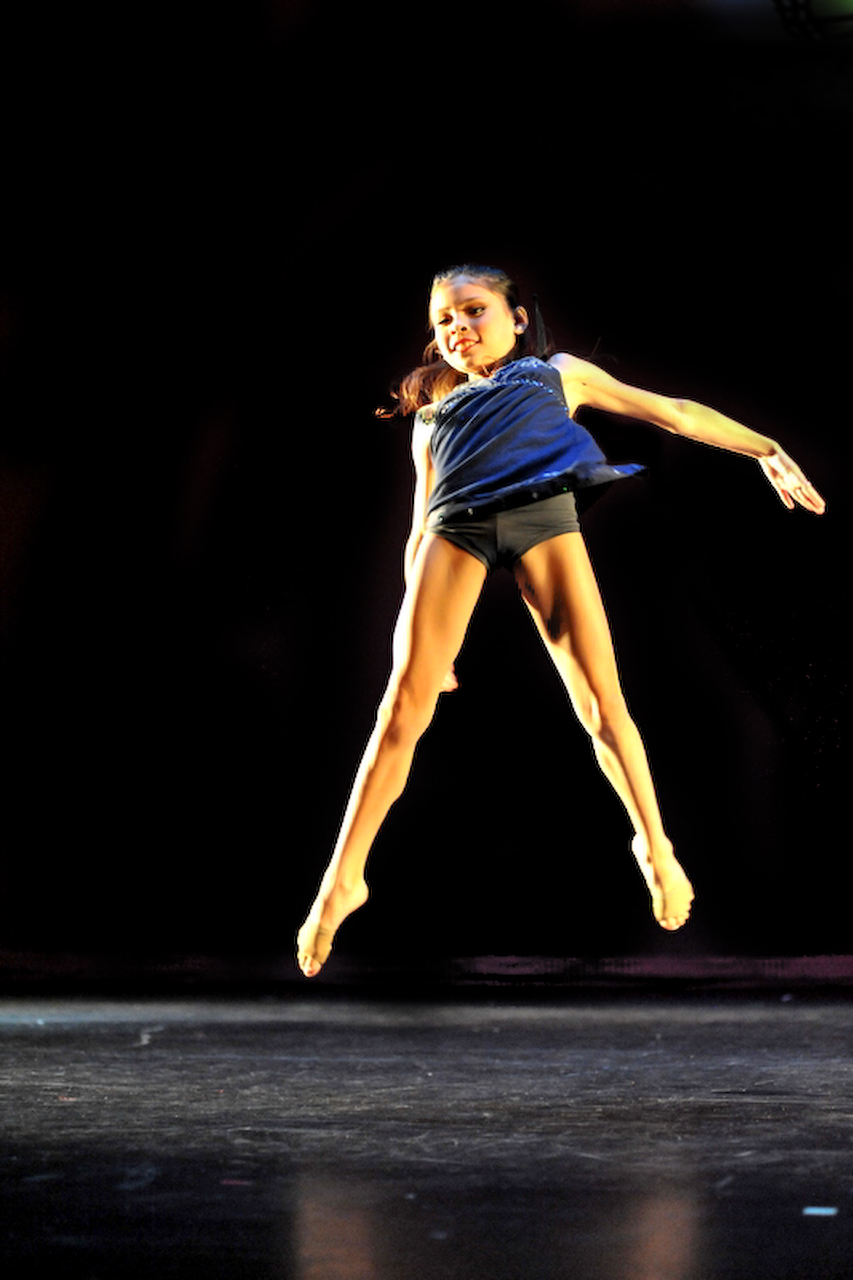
(449, 684)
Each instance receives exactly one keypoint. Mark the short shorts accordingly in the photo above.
(500, 539)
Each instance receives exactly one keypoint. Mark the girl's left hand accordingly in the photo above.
(790, 483)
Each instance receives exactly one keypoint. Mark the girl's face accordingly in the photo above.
(474, 327)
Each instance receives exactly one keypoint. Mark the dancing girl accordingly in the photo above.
(498, 459)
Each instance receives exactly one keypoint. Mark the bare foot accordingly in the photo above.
(314, 939)
(671, 891)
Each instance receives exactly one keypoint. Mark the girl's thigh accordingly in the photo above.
(557, 581)
(445, 586)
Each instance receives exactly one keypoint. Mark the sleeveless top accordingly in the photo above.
(507, 440)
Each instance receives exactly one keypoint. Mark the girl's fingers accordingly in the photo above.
(791, 485)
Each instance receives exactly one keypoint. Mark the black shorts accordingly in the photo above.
(500, 539)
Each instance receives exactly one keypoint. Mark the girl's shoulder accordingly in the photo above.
(421, 433)
(530, 369)
(547, 374)
(565, 363)
(427, 412)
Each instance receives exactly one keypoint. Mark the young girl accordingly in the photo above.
(498, 458)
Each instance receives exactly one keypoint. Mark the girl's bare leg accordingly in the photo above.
(558, 585)
(445, 586)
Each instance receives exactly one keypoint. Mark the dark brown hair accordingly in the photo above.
(434, 378)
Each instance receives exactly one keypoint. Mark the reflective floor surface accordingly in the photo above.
(337, 1139)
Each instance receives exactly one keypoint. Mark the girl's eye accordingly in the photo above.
(469, 311)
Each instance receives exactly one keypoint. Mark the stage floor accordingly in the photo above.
(331, 1138)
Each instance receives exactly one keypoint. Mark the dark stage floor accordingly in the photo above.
(329, 1138)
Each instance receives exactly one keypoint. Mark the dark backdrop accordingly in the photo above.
(224, 225)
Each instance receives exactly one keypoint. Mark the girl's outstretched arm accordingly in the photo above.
(585, 383)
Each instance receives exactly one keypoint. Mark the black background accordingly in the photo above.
(222, 225)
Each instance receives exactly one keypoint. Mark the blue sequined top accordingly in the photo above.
(507, 440)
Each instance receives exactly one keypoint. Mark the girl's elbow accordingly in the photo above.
(681, 417)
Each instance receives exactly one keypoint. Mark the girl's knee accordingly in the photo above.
(603, 714)
(405, 713)
(612, 719)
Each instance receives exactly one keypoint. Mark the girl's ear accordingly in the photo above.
(522, 319)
